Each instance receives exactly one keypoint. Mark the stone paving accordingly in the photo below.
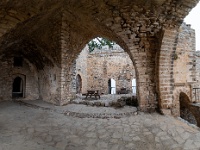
(82, 111)
(30, 128)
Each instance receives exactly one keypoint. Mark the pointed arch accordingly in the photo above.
(18, 86)
(185, 109)
(78, 84)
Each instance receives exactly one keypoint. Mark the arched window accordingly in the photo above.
(17, 90)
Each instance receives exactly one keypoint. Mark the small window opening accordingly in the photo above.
(18, 61)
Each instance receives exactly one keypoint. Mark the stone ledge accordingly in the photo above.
(100, 115)
(82, 114)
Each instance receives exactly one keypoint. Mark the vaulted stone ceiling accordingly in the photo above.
(38, 22)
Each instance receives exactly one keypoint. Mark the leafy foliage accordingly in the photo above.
(99, 43)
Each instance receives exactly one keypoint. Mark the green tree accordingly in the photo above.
(99, 43)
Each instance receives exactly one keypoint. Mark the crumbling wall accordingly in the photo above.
(49, 84)
(105, 64)
(184, 60)
(81, 68)
(184, 68)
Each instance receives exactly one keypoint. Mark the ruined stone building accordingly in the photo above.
(97, 69)
(40, 40)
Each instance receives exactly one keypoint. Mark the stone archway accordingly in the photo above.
(134, 25)
(18, 86)
(185, 109)
(78, 84)
(174, 108)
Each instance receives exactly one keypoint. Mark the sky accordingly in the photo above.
(193, 18)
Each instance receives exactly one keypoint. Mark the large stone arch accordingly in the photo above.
(141, 28)
(15, 14)
(146, 46)
(71, 50)
(141, 50)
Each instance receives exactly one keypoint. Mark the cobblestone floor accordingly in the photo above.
(27, 128)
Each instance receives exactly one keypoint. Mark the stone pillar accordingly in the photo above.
(73, 41)
(66, 62)
(165, 70)
(144, 59)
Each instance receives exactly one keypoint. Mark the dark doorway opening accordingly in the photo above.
(17, 88)
(109, 86)
(78, 84)
(185, 109)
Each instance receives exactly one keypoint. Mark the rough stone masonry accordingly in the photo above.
(47, 36)
(98, 67)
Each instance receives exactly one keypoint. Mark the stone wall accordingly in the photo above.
(37, 84)
(184, 60)
(27, 72)
(183, 66)
(81, 68)
(97, 67)
(49, 84)
(196, 91)
(51, 34)
(197, 57)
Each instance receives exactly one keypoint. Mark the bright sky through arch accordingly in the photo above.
(193, 18)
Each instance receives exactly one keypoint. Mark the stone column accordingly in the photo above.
(73, 40)
(165, 69)
(144, 59)
(66, 65)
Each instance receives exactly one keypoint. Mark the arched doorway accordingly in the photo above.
(78, 84)
(111, 86)
(17, 88)
(185, 110)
